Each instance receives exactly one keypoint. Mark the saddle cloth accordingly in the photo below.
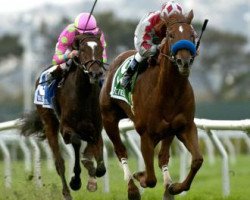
(45, 90)
(117, 90)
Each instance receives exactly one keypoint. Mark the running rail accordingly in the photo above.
(209, 126)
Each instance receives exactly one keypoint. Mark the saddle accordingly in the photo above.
(125, 94)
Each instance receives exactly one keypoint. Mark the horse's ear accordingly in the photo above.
(190, 17)
(99, 33)
(75, 44)
(78, 37)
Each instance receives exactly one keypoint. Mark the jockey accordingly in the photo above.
(63, 49)
(144, 35)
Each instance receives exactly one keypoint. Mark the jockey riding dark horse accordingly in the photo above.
(78, 110)
(84, 23)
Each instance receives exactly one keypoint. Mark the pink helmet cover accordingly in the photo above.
(81, 21)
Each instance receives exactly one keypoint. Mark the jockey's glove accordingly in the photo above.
(73, 54)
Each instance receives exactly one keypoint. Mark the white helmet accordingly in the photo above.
(170, 8)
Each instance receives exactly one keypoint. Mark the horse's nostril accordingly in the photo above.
(179, 61)
(191, 61)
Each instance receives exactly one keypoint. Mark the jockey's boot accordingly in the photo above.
(126, 80)
(57, 72)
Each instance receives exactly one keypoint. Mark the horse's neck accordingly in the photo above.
(81, 82)
(170, 82)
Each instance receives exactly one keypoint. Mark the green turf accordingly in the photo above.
(206, 186)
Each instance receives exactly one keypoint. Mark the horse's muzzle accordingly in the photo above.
(95, 76)
(184, 65)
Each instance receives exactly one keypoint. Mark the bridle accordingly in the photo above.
(171, 55)
(86, 65)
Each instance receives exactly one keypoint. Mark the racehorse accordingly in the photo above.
(78, 114)
(163, 107)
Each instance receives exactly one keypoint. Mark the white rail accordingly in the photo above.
(208, 126)
(4, 138)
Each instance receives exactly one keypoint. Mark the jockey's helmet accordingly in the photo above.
(85, 18)
(170, 8)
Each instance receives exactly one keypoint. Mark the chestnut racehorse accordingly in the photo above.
(163, 107)
(78, 114)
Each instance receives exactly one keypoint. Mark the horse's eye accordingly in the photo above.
(171, 36)
(193, 37)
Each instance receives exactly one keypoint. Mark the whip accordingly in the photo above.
(92, 9)
(202, 30)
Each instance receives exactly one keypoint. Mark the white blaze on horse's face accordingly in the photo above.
(92, 46)
(181, 29)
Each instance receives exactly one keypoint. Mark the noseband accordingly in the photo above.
(181, 44)
(86, 66)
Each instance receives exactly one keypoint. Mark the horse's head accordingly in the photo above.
(179, 44)
(90, 55)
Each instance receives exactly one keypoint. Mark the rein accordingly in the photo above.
(83, 66)
(171, 58)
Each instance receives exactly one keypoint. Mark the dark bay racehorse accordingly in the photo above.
(163, 107)
(79, 116)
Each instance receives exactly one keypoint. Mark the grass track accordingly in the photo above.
(206, 186)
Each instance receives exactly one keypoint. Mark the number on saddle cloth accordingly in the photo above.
(45, 90)
(50, 92)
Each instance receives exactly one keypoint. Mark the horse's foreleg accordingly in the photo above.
(147, 178)
(98, 153)
(163, 159)
(190, 139)
(111, 127)
(51, 130)
(87, 159)
(75, 182)
(89, 165)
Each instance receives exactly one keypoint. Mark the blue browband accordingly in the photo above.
(183, 44)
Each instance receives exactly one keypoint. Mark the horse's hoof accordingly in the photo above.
(167, 195)
(67, 196)
(134, 196)
(100, 170)
(175, 188)
(140, 177)
(75, 183)
(133, 191)
(151, 183)
(92, 185)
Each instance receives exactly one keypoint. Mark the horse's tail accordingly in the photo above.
(32, 125)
